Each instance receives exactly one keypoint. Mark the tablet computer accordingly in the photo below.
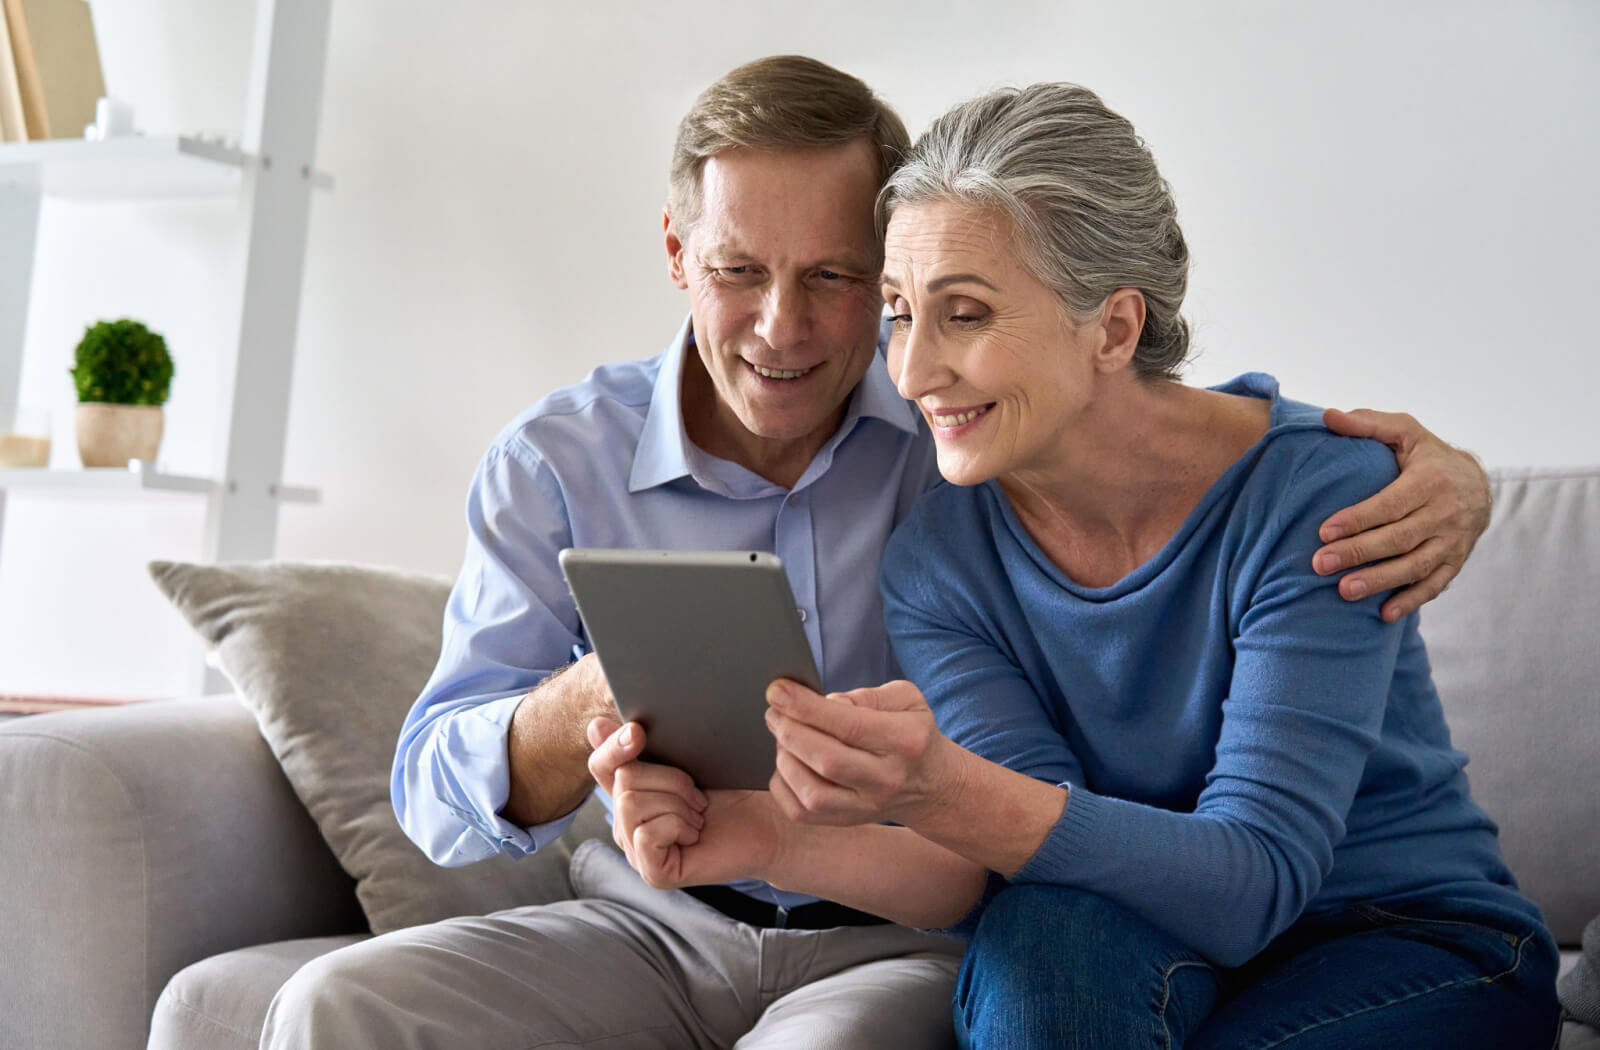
(689, 642)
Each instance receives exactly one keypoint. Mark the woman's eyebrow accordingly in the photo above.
(948, 279)
(940, 283)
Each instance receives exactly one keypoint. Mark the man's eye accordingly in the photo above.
(829, 275)
(733, 271)
(900, 320)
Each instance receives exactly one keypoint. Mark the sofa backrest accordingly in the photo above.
(1515, 648)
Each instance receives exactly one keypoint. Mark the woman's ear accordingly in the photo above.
(1121, 321)
(675, 271)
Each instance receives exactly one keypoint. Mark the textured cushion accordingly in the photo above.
(1579, 985)
(1515, 646)
(330, 658)
(222, 1001)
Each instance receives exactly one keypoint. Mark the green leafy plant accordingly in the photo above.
(124, 363)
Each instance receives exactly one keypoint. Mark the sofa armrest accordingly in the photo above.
(135, 841)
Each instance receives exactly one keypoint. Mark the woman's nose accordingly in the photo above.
(914, 363)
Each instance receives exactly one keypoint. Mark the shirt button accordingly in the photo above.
(802, 614)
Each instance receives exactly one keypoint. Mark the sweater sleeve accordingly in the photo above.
(977, 690)
(1304, 711)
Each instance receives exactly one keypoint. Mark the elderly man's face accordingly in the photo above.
(782, 269)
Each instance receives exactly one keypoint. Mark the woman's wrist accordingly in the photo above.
(948, 771)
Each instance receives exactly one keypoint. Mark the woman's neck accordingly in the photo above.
(1144, 454)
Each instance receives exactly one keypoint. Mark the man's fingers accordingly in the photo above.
(1392, 504)
(1396, 429)
(599, 729)
(635, 808)
(1415, 597)
(1378, 544)
(651, 777)
(614, 751)
(649, 826)
(1413, 567)
(657, 851)
(666, 818)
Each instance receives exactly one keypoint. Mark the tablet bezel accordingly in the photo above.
(689, 641)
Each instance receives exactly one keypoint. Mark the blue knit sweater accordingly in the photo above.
(1242, 746)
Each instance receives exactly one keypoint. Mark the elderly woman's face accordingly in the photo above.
(983, 348)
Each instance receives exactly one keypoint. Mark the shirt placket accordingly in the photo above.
(794, 539)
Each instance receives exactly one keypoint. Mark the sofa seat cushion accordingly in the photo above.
(1575, 1036)
(221, 1002)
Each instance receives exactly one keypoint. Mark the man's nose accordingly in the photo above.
(784, 316)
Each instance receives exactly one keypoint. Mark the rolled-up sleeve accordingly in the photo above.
(509, 624)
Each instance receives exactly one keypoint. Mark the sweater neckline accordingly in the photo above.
(1286, 417)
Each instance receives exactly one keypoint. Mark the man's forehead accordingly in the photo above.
(823, 193)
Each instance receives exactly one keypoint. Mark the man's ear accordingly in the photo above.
(1121, 321)
(675, 268)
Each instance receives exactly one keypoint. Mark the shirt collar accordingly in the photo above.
(664, 455)
(663, 452)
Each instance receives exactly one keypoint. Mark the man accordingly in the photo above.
(769, 423)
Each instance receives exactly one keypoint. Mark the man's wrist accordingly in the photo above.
(786, 844)
(597, 700)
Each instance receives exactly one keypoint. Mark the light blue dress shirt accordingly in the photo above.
(608, 463)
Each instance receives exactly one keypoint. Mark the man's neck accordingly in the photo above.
(717, 431)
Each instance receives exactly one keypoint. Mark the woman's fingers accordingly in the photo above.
(806, 798)
(834, 714)
(831, 759)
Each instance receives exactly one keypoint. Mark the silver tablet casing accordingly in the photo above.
(689, 641)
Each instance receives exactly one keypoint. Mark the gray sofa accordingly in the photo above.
(158, 871)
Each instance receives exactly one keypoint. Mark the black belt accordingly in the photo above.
(741, 907)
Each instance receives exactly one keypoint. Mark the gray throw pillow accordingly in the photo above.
(329, 658)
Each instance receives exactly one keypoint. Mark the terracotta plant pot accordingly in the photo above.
(111, 435)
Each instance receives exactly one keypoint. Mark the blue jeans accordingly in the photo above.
(1060, 968)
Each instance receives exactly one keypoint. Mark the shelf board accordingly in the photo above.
(137, 477)
(134, 167)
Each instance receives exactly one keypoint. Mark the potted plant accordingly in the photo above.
(123, 373)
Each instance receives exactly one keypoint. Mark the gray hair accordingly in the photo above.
(1093, 212)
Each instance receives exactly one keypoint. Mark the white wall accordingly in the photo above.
(1388, 205)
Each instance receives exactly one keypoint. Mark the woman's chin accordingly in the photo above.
(963, 470)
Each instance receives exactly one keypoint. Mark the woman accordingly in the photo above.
(1219, 802)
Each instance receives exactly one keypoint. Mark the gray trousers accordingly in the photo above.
(623, 966)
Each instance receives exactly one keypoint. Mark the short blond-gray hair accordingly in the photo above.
(782, 102)
(1083, 190)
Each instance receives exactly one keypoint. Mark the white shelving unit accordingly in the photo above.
(271, 174)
